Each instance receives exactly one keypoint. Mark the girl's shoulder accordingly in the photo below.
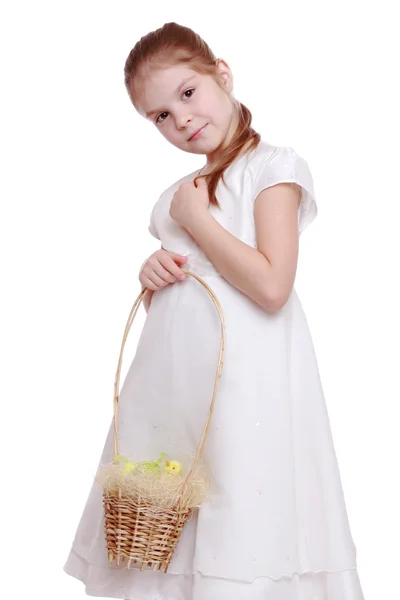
(269, 156)
(270, 165)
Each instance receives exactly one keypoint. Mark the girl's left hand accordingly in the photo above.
(188, 201)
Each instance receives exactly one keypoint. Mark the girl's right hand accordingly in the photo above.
(162, 269)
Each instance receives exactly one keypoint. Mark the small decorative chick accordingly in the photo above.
(129, 466)
(173, 467)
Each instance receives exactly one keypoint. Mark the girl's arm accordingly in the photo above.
(266, 273)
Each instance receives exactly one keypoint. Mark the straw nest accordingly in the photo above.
(159, 484)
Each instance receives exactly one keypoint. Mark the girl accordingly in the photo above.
(275, 526)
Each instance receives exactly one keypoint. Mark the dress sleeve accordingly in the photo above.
(152, 226)
(286, 166)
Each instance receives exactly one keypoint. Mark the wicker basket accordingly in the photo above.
(136, 531)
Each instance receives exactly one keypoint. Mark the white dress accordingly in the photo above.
(275, 526)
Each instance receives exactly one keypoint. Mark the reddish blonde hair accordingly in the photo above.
(175, 44)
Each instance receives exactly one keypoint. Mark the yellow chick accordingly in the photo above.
(129, 466)
(173, 467)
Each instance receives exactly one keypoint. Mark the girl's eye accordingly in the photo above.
(157, 120)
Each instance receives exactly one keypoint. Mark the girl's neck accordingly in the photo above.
(204, 170)
(208, 167)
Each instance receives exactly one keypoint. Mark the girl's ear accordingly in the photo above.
(224, 74)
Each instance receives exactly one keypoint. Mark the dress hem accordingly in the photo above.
(199, 571)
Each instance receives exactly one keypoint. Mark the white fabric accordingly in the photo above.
(284, 165)
(152, 227)
(275, 526)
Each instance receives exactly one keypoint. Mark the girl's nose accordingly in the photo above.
(183, 121)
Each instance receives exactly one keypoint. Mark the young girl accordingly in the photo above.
(275, 525)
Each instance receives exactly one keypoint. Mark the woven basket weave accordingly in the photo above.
(137, 531)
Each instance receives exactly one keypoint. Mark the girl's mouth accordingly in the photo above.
(198, 133)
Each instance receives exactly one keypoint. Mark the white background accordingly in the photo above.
(80, 172)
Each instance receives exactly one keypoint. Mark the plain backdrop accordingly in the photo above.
(80, 173)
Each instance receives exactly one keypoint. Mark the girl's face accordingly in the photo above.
(180, 101)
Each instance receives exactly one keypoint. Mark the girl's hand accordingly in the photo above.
(162, 269)
(188, 201)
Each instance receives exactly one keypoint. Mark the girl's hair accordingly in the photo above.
(175, 44)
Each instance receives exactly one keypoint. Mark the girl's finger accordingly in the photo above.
(162, 272)
(154, 281)
(172, 267)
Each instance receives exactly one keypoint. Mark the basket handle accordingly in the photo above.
(131, 317)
